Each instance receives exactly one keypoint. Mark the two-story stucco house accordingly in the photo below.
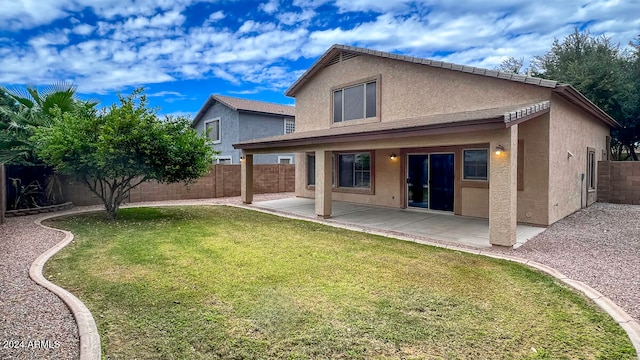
(229, 120)
(404, 132)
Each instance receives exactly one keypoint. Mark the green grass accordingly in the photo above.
(222, 282)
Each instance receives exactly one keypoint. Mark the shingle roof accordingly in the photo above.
(497, 118)
(239, 104)
(328, 58)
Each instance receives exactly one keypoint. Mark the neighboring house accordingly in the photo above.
(404, 132)
(229, 120)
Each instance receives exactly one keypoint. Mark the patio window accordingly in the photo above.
(591, 166)
(354, 170)
(212, 129)
(355, 102)
(311, 169)
(475, 164)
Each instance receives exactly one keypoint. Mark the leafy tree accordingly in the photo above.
(601, 71)
(114, 150)
(22, 111)
(512, 65)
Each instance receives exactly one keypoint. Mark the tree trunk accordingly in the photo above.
(632, 151)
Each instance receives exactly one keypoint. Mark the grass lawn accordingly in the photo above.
(222, 282)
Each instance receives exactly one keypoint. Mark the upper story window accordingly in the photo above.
(289, 126)
(355, 102)
(212, 129)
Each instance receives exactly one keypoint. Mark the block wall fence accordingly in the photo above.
(619, 182)
(221, 181)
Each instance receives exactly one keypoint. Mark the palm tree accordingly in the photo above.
(24, 109)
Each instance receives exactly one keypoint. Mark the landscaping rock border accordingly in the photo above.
(39, 210)
(89, 337)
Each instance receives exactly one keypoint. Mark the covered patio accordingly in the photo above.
(457, 230)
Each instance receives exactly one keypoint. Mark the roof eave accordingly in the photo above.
(203, 110)
(313, 69)
(491, 123)
(572, 95)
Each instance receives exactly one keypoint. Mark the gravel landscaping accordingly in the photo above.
(36, 324)
(599, 245)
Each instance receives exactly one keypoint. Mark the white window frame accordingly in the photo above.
(290, 158)
(230, 158)
(219, 129)
(463, 164)
(289, 120)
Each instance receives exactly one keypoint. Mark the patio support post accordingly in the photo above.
(503, 189)
(323, 183)
(246, 178)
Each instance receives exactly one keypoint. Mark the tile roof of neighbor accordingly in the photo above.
(501, 117)
(245, 105)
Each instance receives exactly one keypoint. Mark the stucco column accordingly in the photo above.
(503, 188)
(323, 183)
(246, 179)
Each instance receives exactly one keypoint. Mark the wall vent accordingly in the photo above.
(340, 57)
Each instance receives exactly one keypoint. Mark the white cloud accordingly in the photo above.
(135, 42)
(251, 26)
(269, 7)
(291, 18)
(16, 15)
(165, 93)
(83, 29)
(380, 6)
(216, 16)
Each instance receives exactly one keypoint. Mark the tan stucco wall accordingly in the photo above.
(389, 175)
(533, 199)
(572, 130)
(409, 90)
(551, 181)
(475, 202)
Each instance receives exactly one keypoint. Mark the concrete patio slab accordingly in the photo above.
(459, 230)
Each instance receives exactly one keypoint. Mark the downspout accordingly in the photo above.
(581, 190)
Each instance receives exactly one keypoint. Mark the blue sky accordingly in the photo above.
(183, 50)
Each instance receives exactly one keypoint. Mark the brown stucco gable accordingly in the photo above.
(338, 53)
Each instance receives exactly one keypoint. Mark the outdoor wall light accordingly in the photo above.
(242, 158)
(392, 156)
(499, 149)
